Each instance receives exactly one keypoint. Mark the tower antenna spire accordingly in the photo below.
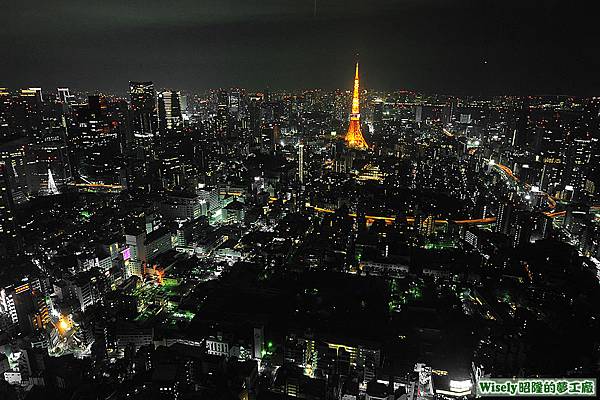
(354, 137)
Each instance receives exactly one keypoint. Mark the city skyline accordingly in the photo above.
(238, 206)
(151, 235)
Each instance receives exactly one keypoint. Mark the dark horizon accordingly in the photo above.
(467, 48)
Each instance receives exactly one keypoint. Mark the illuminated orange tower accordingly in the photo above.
(354, 137)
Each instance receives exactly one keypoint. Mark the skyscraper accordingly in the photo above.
(8, 231)
(65, 98)
(49, 163)
(235, 100)
(503, 220)
(143, 125)
(143, 109)
(38, 93)
(63, 95)
(579, 152)
(6, 123)
(354, 137)
(169, 110)
(222, 119)
(301, 162)
(378, 112)
(522, 125)
(28, 113)
(254, 111)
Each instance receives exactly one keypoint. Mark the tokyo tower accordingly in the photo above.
(354, 137)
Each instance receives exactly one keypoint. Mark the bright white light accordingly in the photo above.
(492, 162)
(527, 197)
(460, 385)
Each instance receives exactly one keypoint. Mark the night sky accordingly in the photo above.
(444, 46)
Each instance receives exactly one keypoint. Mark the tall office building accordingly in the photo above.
(169, 110)
(65, 98)
(28, 113)
(64, 95)
(418, 113)
(235, 103)
(117, 116)
(254, 112)
(143, 110)
(6, 123)
(97, 105)
(9, 239)
(522, 125)
(552, 150)
(222, 113)
(504, 218)
(579, 152)
(49, 166)
(301, 162)
(14, 155)
(522, 228)
(38, 93)
(144, 126)
(25, 307)
(378, 113)
(183, 105)
(275, 138)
